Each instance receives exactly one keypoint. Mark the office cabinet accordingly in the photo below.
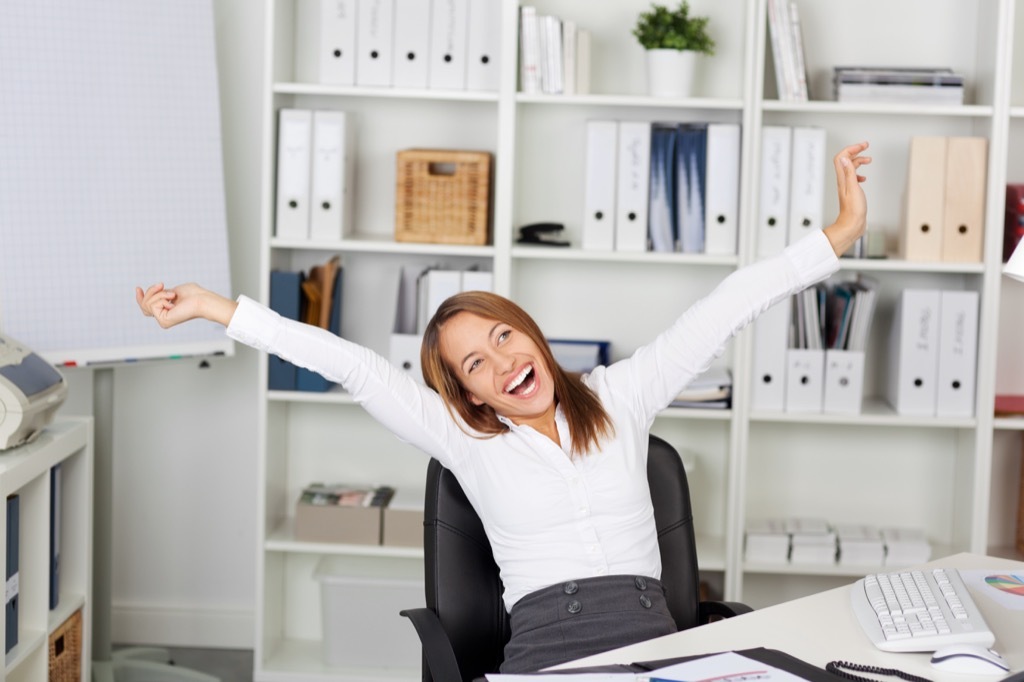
(26, 472)
(950, 476)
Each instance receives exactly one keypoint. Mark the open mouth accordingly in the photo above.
(524, 383)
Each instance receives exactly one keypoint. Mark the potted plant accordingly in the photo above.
(673, 39)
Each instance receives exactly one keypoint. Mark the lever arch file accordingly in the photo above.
(375, 37)
(411, 43)
(337, 49)
(773, 216)
(294, 139)
(333, 173)
(963, 220)
(600, 186)
(448, 43)
(913, 353)
(483, 46)
(921, 238)
(721, 205)
(958, 354)
(634, 173)
(807, 182)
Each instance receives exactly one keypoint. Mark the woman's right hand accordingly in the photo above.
(184, 302)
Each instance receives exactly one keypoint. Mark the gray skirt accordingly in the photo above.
(583, 617)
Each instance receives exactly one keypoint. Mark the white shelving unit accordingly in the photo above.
(955, 478)
(25, 471)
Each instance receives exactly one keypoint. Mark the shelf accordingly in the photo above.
(384, 93)
(876, 412)
(1008, 423)
(374, 244)
(298, 660)
(336, 395)
(282, 539)
(69, 603)
(906, 266)
(832, 569)
(579, 255)
(28, 642)
(880, 109)
(631, 101)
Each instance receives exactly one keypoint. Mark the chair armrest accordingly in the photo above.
(709, 611)
(437, 648)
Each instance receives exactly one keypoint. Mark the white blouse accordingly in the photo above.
(551, 518)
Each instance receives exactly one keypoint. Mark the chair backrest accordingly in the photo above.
(462, 583)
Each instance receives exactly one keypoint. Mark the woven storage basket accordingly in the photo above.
(442, 196)
(66, 650)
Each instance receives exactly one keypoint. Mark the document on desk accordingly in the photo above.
(1006, 588)
(726, 667)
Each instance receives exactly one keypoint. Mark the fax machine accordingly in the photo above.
(31, 391)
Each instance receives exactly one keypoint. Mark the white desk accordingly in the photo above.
(822, 628)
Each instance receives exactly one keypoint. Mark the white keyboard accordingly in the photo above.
(918, 611)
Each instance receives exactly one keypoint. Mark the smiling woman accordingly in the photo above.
(554, 463)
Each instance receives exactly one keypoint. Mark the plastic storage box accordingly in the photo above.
(360, 598)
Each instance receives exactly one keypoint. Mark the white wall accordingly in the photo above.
(184, 503)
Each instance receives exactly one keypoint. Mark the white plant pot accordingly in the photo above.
(670, 72)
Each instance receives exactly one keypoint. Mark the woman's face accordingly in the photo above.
(499, 366)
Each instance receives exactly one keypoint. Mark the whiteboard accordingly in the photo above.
(111, 174)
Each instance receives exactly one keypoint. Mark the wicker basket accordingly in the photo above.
(66, 650)
(442, 196)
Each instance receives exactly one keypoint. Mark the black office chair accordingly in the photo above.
(464, 627)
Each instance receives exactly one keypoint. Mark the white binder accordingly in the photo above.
(807, 182)
(771, 341)
(600, 192)
(634, 170)
(844, 381)
(412, 43)
(337, 48)
(375, 40)
(294, 138)
(958, 353)
(805, 379)
(773, 215)
(404, 343)
(330, 206)
(914, 353)
(435, 285)
(721, 217)
(477, 280)
(449, 27)
(483, 46)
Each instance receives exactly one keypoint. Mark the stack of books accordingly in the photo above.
(710, 390)
(905, 546)
(787, 49)
(812, 541)
(899, 85)
(860, 545)
(554, 54)
(767, 542)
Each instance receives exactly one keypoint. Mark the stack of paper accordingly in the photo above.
(860, 545)
(767, 541)
(712, 389)
(904, 546)
(812, 541)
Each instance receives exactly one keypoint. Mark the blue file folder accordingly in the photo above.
(13, 525)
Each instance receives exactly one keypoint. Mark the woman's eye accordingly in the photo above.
(504, 335)
(473, 365)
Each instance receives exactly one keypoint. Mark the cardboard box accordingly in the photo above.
(341, 513)
(360, 601)
(403, 519)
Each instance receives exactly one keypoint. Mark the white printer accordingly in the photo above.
(31, 391)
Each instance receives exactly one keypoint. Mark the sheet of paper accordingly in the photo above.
(565, 677)
(727, 667)
(1006, 588)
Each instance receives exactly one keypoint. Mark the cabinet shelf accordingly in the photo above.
(282, 539)
(571, 254)
(382, 93)
(1008, 423)
(626, 101)
(900, 265)
(876, 412)
(375, 244)
(869, 109)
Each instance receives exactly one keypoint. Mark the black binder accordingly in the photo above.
(11, 610)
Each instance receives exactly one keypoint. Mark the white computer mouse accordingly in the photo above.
(970, 659)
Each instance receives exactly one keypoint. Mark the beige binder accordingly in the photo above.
(964, 216)
(921, 239)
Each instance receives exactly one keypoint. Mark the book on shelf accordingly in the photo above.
(554, 54)
(895, 84)
(787, 50)
(710, 390)
(1009, 405)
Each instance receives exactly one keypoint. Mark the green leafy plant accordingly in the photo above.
(673, 29)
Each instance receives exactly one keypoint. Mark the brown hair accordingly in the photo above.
(588, 421)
